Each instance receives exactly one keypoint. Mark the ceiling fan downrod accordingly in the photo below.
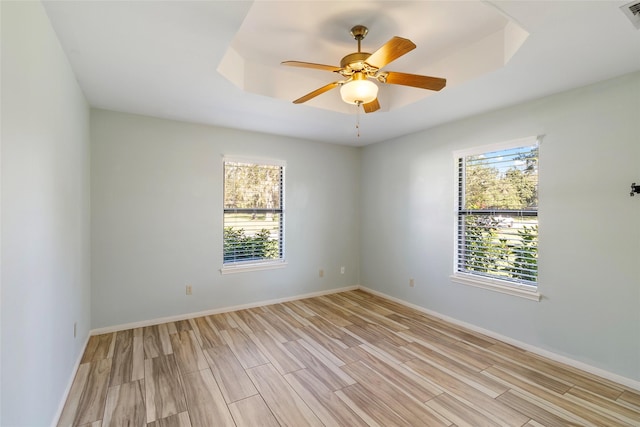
(359, 32)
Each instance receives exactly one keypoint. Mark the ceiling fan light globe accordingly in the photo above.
(359, 92)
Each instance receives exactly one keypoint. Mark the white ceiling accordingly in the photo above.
(161, 58)
(459, 40)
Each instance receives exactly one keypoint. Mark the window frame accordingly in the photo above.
(514, 288)
(261, 264)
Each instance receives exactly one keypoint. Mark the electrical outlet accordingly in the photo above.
(188, 290)
(342, 270)
(321, 273)
(75, 329)
(412, 283)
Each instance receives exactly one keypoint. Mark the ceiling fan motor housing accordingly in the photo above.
(355, 61)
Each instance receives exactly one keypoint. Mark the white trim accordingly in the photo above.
(256, 266)
(627, 382)
(528, 141)
(254, 160)
(123, 327)
(496, 285)
(249, 266)
(65, 395)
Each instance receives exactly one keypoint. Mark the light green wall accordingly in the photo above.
(45, 218)
(589, 234)
(156, 198)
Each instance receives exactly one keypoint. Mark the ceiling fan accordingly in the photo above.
(359, 68)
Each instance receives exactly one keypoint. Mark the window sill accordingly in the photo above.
(242, 268)
(496, 285)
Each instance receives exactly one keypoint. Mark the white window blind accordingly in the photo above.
(253, 212)
(497, 214)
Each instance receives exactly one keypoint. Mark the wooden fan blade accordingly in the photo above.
(415, 80)
(390, 51)
(316, 92)
(372, 106)
(311, 65)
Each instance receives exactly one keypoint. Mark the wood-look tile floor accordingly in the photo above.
(347, 359)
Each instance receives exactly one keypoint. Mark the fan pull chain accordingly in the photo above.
(358, 104)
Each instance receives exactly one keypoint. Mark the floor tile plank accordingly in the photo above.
(400, 376)
(322, 400)
(323, 350)
(251, 412)
(137, 370)
(73, 400)
(206, 333)
(177, 420)
(229, 374)
(122, 369)
(460, 333)
(459, 370)
(378, 319)
(286, 316)
(400, 402)
(326, 309)
(157, 341)
(522, 405)
(332, 331)
(205, 402)
(337, 348)
(380, 332)
(245, 350)
(97, 348)
(170, 328)
(630, 397)
(223, 321)
(458, 412)
(94, 395)
(332, 376)
(605, 406)
(277, 353)
(552, 398)
(247, 321)
(319, 311)
(362, 402)
(393, 352)
(182, 325)
(285, 404)
(503, 414)
(151, 342)
(567, 374)
(274, 324)
(164, 395)
(125, 406)
(299, 308)
(188, 353)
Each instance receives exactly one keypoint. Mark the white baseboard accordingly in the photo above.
(628, 382)
(123, 327)
(65, 395)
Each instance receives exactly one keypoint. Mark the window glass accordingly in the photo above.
(253, 212)
(497, 215)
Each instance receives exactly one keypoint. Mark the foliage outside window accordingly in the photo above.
(253, 213)
(497, 214)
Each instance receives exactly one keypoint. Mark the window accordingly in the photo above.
(253, 213)
(497, 216)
